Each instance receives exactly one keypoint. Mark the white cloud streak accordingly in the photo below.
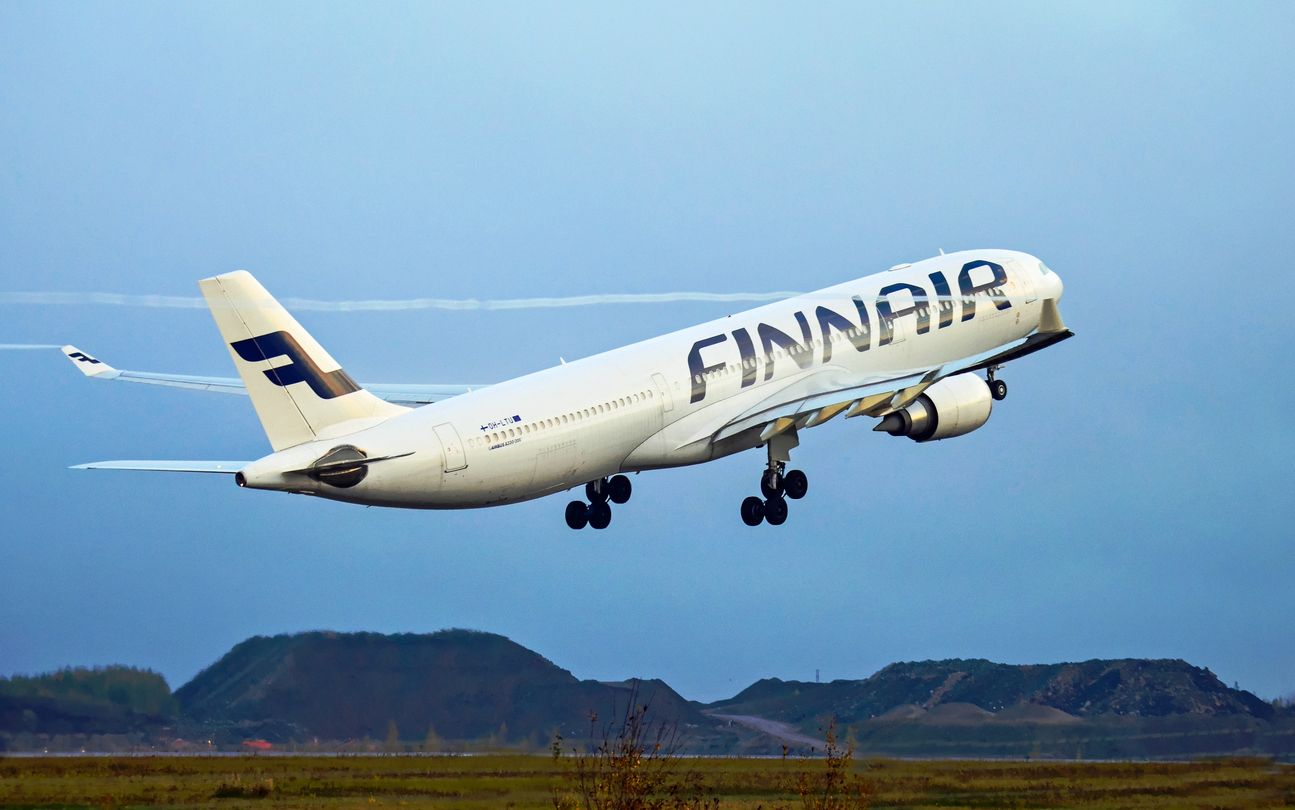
(377, 305)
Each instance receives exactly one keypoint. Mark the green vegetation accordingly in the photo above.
(104, 708)
(137, 690)
(633, 763)
(531, 782)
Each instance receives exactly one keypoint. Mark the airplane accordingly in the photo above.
(901, 346)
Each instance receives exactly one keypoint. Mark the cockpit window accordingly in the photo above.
(1044, 269)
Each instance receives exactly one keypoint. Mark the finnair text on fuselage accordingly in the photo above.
(859, 334)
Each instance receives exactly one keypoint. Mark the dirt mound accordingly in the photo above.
(905, 712)
(957, 713)
(1035, 713)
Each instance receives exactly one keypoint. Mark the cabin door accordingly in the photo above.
(451, 447)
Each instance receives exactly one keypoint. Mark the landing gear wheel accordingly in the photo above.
(577, 514)
(618, 489)
(795, 484)
(998, 390)
(771, 484)
(600, 515)
(752, 511)
(596, 491)
(775, 511)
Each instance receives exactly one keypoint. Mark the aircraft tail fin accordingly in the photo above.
(296, 386)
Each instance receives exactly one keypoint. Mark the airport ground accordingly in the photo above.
(518, 781)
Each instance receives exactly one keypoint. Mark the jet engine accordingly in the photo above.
(952, 407)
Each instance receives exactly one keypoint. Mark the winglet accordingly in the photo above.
(1050, 322)
(88, 365)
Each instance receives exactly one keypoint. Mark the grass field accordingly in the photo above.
(531, 782)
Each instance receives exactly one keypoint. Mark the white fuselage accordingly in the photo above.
(680, 398)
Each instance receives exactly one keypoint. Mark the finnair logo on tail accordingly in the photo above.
(301, 368)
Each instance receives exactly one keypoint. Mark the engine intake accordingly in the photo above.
(952, 407)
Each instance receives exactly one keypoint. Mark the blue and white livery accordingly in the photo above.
(900, 347)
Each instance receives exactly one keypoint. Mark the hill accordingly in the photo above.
(1114, 709)
(1090, 689)
(453, 685)
(460, 689)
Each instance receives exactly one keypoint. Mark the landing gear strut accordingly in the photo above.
(601, 494)
(997, 388)
(777, 484)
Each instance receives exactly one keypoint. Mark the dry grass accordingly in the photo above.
(530, 781)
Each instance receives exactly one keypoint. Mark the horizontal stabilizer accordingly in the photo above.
(224, 467)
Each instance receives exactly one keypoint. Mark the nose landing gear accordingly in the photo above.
(598, 512)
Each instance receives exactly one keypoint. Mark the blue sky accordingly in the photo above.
(1130, 498)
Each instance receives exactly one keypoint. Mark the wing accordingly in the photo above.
(410, 394)
(814, 399)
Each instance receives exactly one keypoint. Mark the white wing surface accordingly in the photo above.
(412, 394)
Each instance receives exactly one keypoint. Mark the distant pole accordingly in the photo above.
(816, 676)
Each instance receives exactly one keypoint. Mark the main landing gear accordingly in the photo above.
(598, 512)
(777, 484)
(997, 388)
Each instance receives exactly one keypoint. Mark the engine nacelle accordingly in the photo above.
(952, 407)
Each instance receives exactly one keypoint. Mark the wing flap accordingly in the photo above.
(811, 405)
